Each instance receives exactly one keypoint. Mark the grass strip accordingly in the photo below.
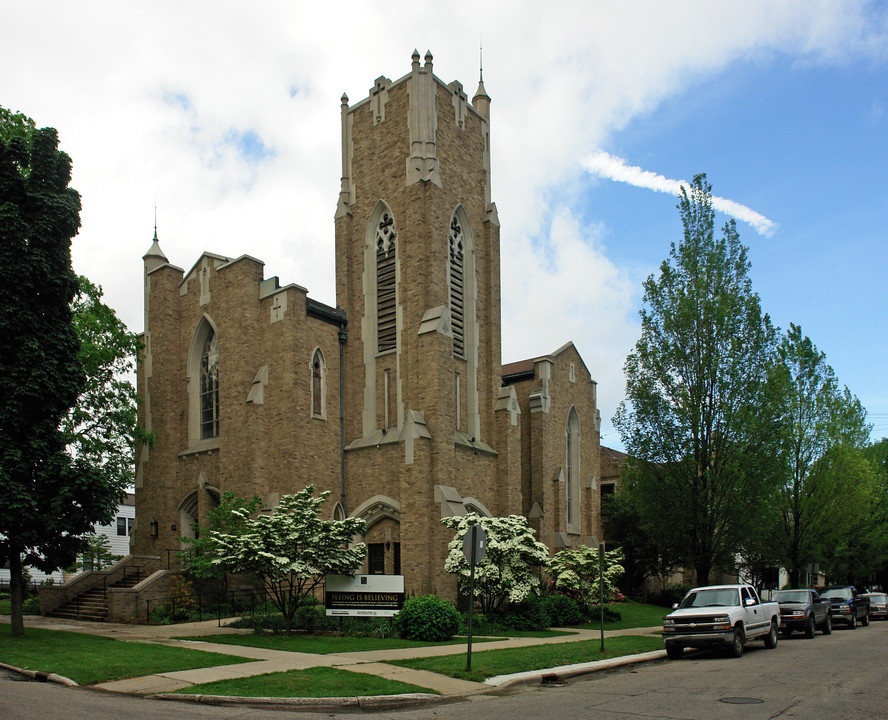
(323, 644)
(89, 659)
(316, 682)
(489, 663)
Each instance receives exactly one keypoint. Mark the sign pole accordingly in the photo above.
(474, 549)
(601, 588)
(472, 530)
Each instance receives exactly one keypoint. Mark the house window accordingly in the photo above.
(125, 526)
(386, 285)
(209, 387)
(456, 280)
(572, 463)
(318, 377)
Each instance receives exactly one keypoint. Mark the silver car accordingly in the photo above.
(878, 605)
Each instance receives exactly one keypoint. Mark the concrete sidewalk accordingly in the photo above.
(371, 662)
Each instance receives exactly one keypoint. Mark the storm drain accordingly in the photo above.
(741, 701)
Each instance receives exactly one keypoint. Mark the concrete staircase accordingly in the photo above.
(92, 603)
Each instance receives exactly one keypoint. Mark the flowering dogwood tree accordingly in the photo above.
(575, 572)
(291, 549)
(509, 571)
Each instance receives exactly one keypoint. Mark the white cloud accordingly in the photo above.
(608, 166)
(562, 82)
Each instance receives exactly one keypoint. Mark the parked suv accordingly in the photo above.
(848, 606)
(803, 610)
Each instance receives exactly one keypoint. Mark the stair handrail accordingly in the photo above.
(138, 568)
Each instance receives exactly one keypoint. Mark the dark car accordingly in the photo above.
(803, 610)
(848, 606)
(878, 607)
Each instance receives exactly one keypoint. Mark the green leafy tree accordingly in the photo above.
(289, 550)
(198, 556)
(818, 506)
(49, 499)
(857, 554)
(698, 414)
(97, 555)
(101, 426)
(643, 557)
(576, 572)
(510, 569)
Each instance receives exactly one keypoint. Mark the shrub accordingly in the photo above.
(31, 605)
(564, 610)
(528, 615)
(610, 616)
(668, 596)
(427, 618)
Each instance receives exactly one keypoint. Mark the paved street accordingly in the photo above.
(841, 676)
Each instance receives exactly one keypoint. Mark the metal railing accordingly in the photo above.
(206, 606)
(134, 570)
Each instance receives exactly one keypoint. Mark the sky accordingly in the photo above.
(220, 121)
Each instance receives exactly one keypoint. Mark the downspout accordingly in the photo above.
(342, 339)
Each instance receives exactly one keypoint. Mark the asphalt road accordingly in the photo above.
(839, 676)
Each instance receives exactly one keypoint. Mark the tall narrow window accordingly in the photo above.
(386, 399)
(209, 387)
(572, 462)
(317, 384)
(457, 286)
(457, 399)
(386, 288)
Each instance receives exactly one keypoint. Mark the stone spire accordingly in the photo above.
(481, 101)
(154, 258)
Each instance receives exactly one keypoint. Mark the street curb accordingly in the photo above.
(368, 702)
(554, 675)
(41, 676)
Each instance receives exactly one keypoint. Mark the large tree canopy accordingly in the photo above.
(819, 505)
(101, 426)
(696, 420)
(49, 499)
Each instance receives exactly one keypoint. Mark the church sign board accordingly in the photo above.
(364, 595)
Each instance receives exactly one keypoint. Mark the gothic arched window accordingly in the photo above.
(456, 280)
(209, 387)
(386, 288)
(318, 379)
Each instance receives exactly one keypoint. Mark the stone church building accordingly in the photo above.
(396, 401)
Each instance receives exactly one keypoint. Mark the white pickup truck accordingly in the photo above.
(720, 616)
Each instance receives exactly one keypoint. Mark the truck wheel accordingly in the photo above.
(827, 626)
(737, 643)
(852, 623)
(771, 637)
(865, 621)
(809, 628)
(674, 652)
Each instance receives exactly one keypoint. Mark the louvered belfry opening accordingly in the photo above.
(386, 291)
(457, 286)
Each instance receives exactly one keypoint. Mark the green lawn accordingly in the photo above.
(488, 663)
(4, 606)
(633, 615)
(88, 659)
(317, 682)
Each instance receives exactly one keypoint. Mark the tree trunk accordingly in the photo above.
(17, 594)
(702, 568)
